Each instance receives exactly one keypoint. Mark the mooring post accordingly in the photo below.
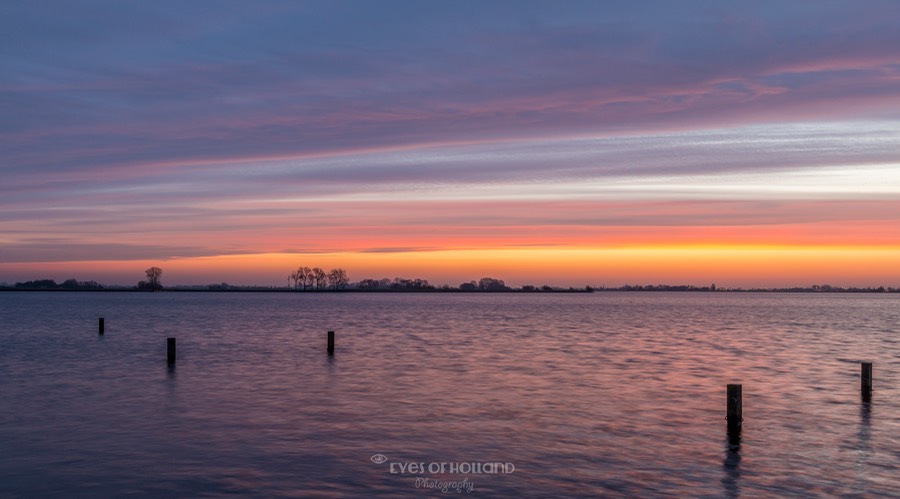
(330, 342)
(101, 325)
(735, 414)
(866, 380)
(170, 350)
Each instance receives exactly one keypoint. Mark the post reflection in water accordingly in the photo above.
(731, 466)
(863, 444)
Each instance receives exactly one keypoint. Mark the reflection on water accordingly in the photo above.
(609, 394)
(863, 444)
(731, 466)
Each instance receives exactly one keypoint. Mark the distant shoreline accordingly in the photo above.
(238, 289)
(641, 289)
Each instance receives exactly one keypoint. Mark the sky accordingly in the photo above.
(747, 144)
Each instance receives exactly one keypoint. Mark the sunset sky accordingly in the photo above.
(568, 143)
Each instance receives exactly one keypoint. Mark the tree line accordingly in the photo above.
(404, 284)
(305, 278)
(51, 284)
(317, 279)
(398, 283)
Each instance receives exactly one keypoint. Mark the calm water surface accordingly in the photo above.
(608, 394)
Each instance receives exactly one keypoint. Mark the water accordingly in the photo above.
(607, 394)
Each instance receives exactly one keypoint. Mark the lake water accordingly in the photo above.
(605, 394)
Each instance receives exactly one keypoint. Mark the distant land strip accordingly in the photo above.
(398, 285)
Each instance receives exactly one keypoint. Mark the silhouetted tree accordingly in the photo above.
(410, 284)
(307, 277)
(491, 284)
(337, 278)
(152, 283)
(320, 278)
(368, 284)
(299, 277)
(302, 277)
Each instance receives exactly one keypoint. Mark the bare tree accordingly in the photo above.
(337, 278)
(152, 283)
(320, 278)
(307, 277)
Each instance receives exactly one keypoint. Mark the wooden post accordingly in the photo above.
(330, 342)
(735, 414)
(170, 350)
(102, 326)
(866, 380)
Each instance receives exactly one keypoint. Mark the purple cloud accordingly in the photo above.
(117, 83)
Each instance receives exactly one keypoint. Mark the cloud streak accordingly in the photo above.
(97, 94)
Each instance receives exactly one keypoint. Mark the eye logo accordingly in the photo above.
(378, 458)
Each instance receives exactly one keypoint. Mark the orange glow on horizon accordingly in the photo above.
(699, 264)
